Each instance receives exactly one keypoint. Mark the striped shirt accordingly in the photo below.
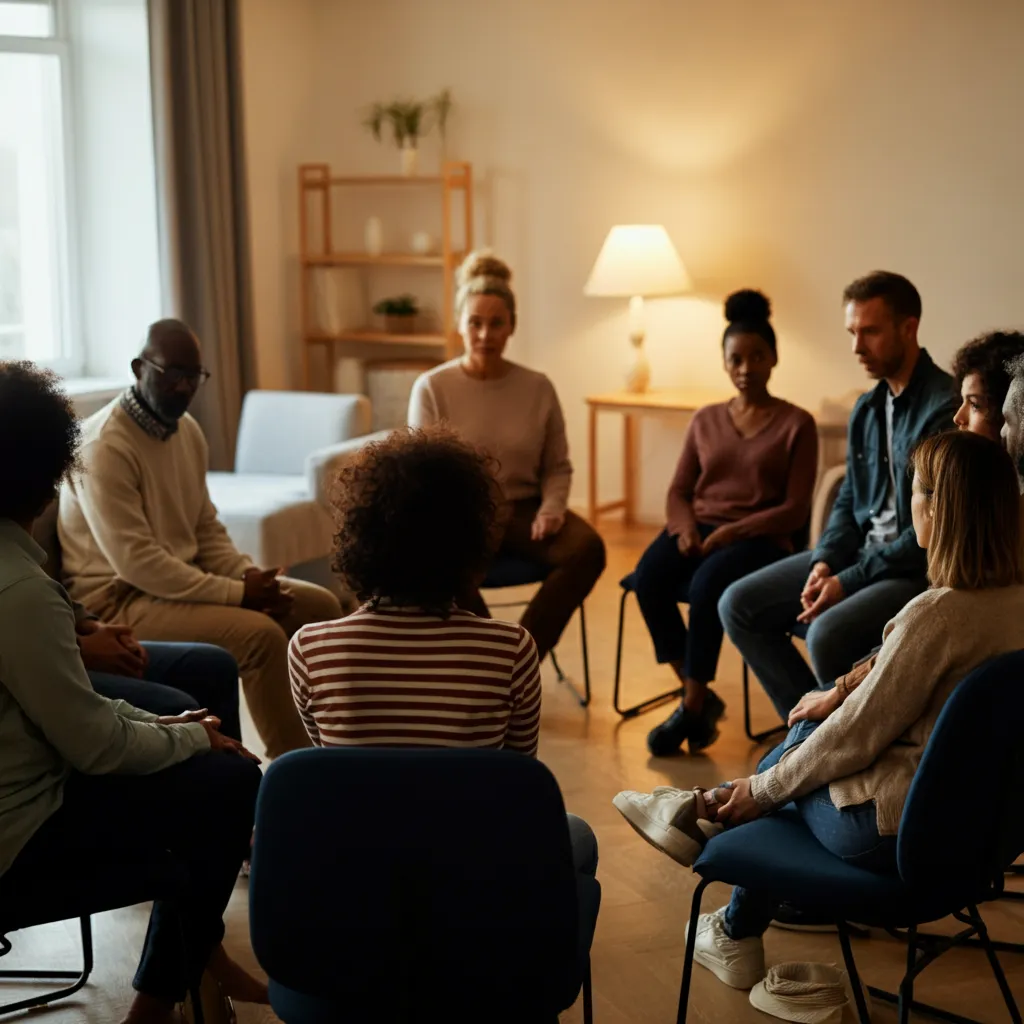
(399, 677)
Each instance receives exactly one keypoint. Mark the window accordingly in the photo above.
(35, 274)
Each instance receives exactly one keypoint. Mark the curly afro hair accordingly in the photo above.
(39, 439)
(416, 517)
(988, 356)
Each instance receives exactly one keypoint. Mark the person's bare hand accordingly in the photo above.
(721, 537)
(104, 649)
(689, 542)
(546, 524)
(203, 714)
(263, 592)
(817, 576)
(741, 806)
(218, 741)
(815, 706)
(829, 594)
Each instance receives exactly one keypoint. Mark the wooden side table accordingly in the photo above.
(831, 437)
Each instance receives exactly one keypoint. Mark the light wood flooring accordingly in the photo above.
(638, 949)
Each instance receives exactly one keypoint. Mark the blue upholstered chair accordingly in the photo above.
(949, 860)
(508, 572)
(410, 885)
(32, 894)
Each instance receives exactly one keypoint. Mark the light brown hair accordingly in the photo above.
(976, 511)
(482, 273)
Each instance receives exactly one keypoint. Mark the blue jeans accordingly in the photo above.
(180, 677)
(201, 811)
(663, 575)
(851, 833)
(759, 611)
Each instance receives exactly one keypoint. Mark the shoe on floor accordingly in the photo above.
(681, 726)
(797, 919)
(667, 819)
(739, 963)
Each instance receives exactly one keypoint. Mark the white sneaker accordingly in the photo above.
(737, 962)
(667, 819)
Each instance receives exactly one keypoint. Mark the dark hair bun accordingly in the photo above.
(748, 306)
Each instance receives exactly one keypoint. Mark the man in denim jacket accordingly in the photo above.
(867, 565)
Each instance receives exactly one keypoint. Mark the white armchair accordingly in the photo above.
(273, 503)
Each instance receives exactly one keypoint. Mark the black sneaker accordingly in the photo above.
(796, 919)
(700, 730)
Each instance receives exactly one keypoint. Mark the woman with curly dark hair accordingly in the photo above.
(982, 380)
(92, 782)
(416, 524)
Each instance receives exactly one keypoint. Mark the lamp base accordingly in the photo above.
(638, 376)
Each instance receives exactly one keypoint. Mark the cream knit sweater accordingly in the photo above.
(516, 419)
(139, 517)
(870, 747)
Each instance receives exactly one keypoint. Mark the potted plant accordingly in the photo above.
(409, 121)
(399, 314)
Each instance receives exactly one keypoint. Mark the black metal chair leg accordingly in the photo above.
(997, 967)
(584, 697)
(691, 940)
(588, 997)
(851, 970)
(754, 737)
(80, 978)
(559, 674)
(644, 705)
(906, 999)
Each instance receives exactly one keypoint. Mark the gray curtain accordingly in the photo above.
(204, 233)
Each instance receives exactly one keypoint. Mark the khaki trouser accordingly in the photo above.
(258, 643)
(576, 557)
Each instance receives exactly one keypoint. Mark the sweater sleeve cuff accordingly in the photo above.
(199, 738)
(236, 592)
(851, 580)
(764, 788)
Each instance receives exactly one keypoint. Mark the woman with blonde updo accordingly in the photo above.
(513, 414)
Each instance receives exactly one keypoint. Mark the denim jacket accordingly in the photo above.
(926, 406)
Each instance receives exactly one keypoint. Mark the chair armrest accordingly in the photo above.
(824, 498)
(324, 464)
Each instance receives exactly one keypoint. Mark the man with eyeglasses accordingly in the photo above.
(142, 544)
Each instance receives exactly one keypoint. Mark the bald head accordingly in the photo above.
(169, 369)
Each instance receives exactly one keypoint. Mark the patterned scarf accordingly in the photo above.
(134, 404)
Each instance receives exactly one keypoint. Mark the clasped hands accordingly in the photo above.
(211, 723)
(264, 593)
(821, 591)
(690, 543)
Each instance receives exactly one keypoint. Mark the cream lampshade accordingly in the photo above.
(637, 261)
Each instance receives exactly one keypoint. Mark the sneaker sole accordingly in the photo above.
(734, 979)
(677, 845)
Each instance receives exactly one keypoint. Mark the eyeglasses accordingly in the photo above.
(174, 375)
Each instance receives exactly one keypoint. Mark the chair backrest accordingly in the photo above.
(410, 879)
(279, 429)
(963, 822)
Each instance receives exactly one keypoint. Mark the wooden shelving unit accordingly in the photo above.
(317, 195)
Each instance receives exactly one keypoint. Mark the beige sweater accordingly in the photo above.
(516, 418)
(139, 517)
(870, 747)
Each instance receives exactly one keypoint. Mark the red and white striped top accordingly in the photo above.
(399, 677)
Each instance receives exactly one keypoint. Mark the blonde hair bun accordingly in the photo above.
(482, 263)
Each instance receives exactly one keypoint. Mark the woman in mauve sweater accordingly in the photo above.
(741, 493)
(513, 414)
(852, 753)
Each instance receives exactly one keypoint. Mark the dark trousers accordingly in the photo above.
(664, 577)
(576, 557)
(851, 833)
(180, 677)
(200, 811)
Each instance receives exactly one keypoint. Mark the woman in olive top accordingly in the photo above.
(513, 414)
(92, 781)
(741, 494)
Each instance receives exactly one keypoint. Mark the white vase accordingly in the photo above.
(374, 236)
(410, 158)
(422, 243)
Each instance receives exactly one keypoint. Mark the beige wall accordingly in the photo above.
(786, 145)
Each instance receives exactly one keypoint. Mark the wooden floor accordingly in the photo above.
(638, 949)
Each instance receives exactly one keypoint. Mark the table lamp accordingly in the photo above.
(637, 261)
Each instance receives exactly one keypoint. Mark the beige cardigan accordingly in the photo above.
(870, 747)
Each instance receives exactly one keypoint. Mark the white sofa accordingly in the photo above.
(274, 503)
